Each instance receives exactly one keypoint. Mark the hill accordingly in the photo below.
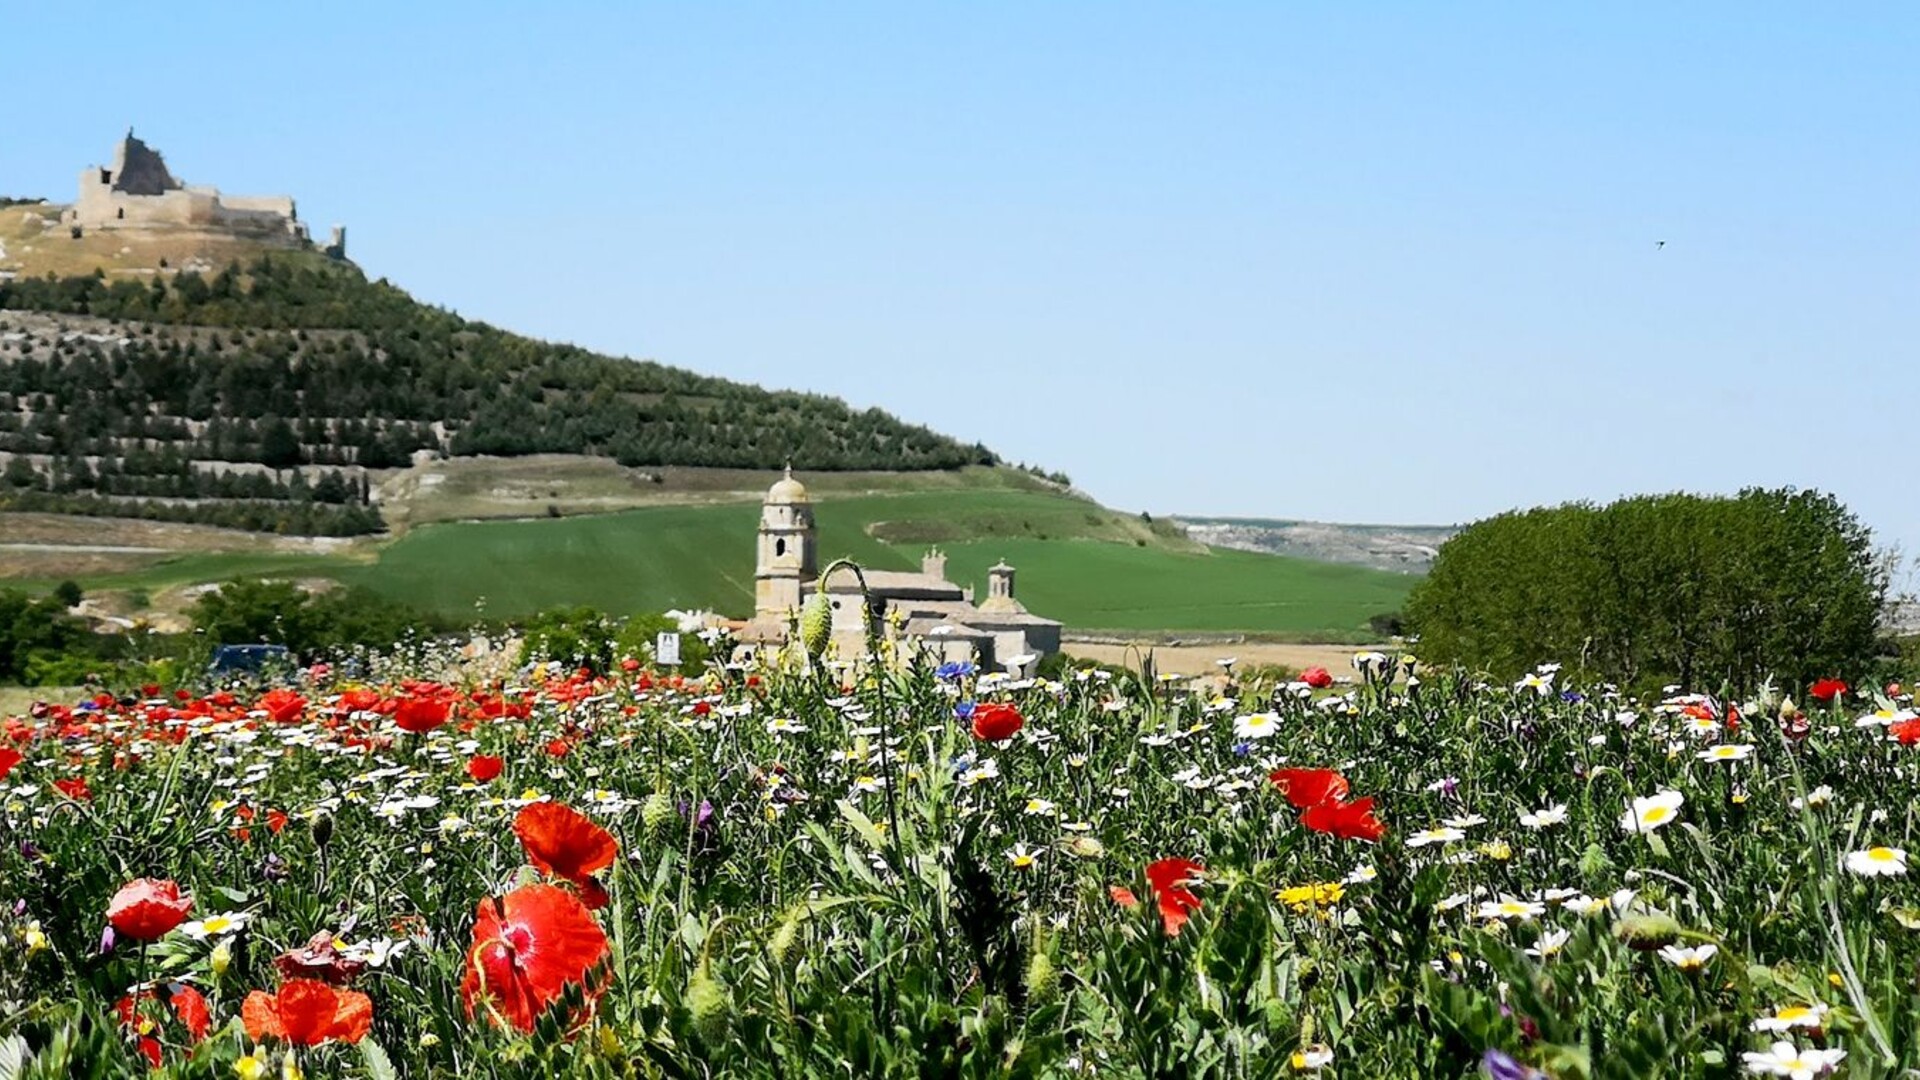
(262, 396)
(1406, 548)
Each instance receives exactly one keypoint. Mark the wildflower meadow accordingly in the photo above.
(910, 870)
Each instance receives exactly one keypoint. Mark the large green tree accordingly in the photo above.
(1661, 588)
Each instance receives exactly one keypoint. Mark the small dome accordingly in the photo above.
(787, 489)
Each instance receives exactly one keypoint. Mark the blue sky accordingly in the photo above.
(1383, 262)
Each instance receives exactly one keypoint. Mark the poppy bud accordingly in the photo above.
(1594, 862)
(781, 943)
(1043, 978)
(816, 624)
(1647, 932)
(1042, 975)
(656, 813)
(322, 829)
(711, 1004)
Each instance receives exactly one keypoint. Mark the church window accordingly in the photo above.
(121, 213)
(780, 546)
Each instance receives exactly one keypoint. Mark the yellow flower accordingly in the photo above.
(220, 958)
(35, 938)
(1304, 898)
(1498, 850)
(249, 1067)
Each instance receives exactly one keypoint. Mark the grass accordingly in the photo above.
(702, 556)
(1093, 586)
(1091, 568)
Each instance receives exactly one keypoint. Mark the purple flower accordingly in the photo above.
(106, 940)
(963, 711)
(1242, 748)
(1499, 1065)
(705, 828)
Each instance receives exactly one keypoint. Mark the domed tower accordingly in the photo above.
(788, 561)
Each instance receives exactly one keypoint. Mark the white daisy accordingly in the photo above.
(1650, 813)
(1540, 819)
(1878, 862)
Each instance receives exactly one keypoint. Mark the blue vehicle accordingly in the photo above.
(237, 661)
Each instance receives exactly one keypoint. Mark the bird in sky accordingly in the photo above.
(1659, 244)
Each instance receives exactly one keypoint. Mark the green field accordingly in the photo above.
(1090, 567)
(702, 556)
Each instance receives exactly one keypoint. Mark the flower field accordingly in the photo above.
(1395, 873)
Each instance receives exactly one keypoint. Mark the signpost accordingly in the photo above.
(666, 649)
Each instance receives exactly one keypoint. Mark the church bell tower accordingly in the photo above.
(788, 561)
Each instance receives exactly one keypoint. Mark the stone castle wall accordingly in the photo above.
(138, 192)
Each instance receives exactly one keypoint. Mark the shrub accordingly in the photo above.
(1657, 589)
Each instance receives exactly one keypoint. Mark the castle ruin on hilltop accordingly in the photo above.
(139, 192)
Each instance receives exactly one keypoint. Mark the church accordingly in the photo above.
(935, 615)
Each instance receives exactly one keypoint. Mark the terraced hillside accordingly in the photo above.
(261, 396)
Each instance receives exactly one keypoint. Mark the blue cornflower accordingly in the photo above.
(954, 670)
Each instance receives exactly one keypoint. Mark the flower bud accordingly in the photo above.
(656, 813)
(1647, 932)
(816, 624)
(711, 1004)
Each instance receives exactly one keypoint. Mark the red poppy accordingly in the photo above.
(484, 767)
(1316, 677)
(1309, 787)
(361, 700)
(1826, 690)
(422, 714)
(306, 1012)
(993, 721)
(75, 788)
(1907, 731)
(1346, 820)
(1123, 896)
(146, 908)
(190, 1006)
(276, 820)
(283, 706)
(9, 757)
(565, 843)
(1169, 878)
(527, 947)
(558, 748)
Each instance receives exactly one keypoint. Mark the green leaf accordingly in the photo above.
(379, 1066)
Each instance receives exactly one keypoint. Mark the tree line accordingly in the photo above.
(1655, 590)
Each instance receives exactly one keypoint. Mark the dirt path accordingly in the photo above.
(1201, 659)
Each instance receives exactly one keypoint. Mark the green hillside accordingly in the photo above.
(1092, 568)
(267, 395)
(702, 556)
